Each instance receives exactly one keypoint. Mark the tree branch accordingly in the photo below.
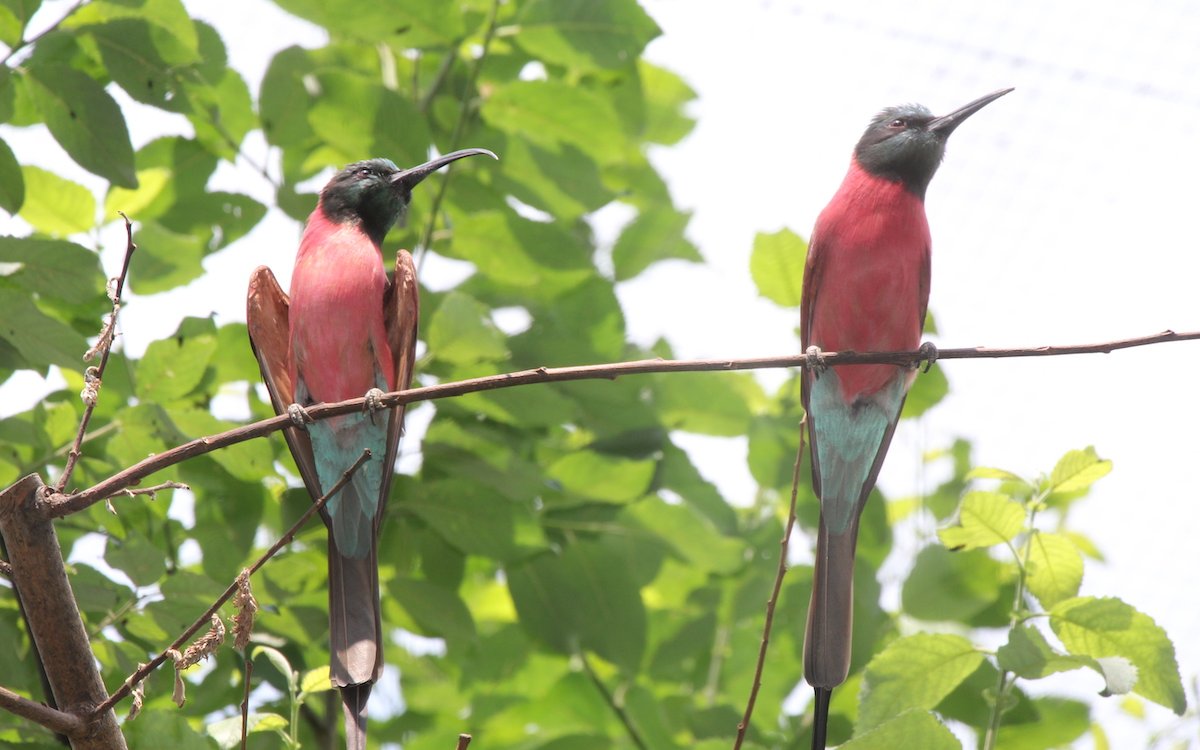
(57, 504)
(51, 718)
(780, 572)
(95, 377)
(53, 618)
(206, 618)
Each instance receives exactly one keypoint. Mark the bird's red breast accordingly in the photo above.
(866, 281)
(337, 332)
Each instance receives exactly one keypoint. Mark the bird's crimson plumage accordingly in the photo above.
(346, 330)
(866, 288)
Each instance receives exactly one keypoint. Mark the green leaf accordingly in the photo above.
(665, 94)
(472, 518)
(407, 25)
(164, 259)
(461, 331)
(14, 16)
(956, 586)
(39, 339)
(602, 477)
(585, 34)
(1078, 470)
(248, 461)
(283, 94)
(561, 180)
(56, 206)
(85, 121)
(221, 111)
(315, 681)
(171, 368)
(1028, 654)
(553, 112)
(227, 733)
(985, 519)
(987, 472)
(12, 181)
(152, 183)
(137, 556)
(146, 60)
(438, 611)
(927, 391)
(170, 15)
(1109, 627)
(911, 730)
(531, 256)
(374, 129)
(167, 728)
(690, 535)
(708, 403)
(584, 598)
(1055, 568)
(942, 661)
(53, 268)
(651, 237)
(777, 266)
(1055, 723)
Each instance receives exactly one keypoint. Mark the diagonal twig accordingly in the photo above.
(206, 618)
(94, 376)
(744, 724)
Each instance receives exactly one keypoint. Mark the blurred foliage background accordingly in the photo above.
(556, 572)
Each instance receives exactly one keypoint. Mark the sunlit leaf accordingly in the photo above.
(1055, 568)
(777, 266)
(943, 661)
(56, 206)
(1109, 627)
(1078, 470)
(984, 519)
(911, 730)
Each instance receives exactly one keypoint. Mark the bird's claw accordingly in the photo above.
(814, 360)
(929, 355)
(373, 402)
(300, 416)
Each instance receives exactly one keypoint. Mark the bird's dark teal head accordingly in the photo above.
(375, 193)
(906, 144)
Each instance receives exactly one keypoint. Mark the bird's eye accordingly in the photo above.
(364, 172)
(897, 123)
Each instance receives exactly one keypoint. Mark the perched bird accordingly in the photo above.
(866, 287)
(346, 331)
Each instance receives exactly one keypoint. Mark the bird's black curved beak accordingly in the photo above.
(410, 178)
(946, 124)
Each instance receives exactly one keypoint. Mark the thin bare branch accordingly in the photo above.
(463, 741)
(206, 618)
(57, 505)
(94, 376)
(780, 572)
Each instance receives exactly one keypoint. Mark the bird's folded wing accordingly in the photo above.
(267, 323)
(401, 313)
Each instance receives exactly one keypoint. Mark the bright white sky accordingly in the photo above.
(1064, 213)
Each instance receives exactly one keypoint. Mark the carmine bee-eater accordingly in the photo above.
(347, 331)
(866, 287)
